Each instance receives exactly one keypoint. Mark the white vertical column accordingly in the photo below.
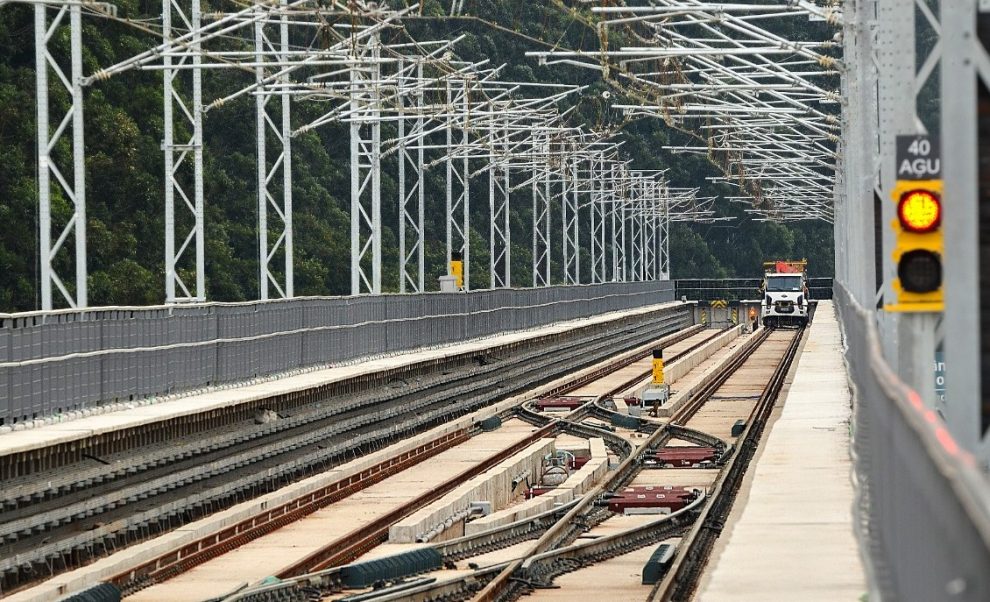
(541, 211)
(458, 218)
(365, 131)
(180, 167)
(278, 202)
(498, 197)
(411, 198)
(260, 100)
(963, 70)
(286, 157)
(75, 190)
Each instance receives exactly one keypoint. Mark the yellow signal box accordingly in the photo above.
(918, 247)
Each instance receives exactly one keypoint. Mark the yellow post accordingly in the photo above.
(457, 268)
(658, 366)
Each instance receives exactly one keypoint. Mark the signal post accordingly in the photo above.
(917, 256)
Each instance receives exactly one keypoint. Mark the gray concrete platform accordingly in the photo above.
(793, 539)
(54, 434)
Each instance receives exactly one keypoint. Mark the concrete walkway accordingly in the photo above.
(794, 539)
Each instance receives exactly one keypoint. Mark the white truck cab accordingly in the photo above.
(785, 297)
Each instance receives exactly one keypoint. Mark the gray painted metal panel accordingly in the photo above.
(923, 522)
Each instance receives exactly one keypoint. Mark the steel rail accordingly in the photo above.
(558, 560)
(501, 585)
(361, 540)
(587, 407)
(366, 537)
(184, 558)
(589, 354)
(172, 563)
(683, 576)
(507, 534)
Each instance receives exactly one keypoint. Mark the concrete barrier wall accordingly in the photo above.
(494, 486)
(923, 517)
(678, 369)
(55, 362)
(577, 484)
(686, 390)
(104, 568)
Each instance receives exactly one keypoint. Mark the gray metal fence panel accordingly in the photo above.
(52, 362)
(923, 504)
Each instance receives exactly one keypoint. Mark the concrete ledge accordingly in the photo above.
(576, 485)
(685, 392)
(124, 560)
(793, 537)
(73, 430)
(494, 486)
(679, 369)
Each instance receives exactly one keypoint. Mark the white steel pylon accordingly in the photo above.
(269, 171)
(618, 219)
(458, 217)
(366, 154)
(183, 160)
(74, 190)
(649, 217)
(635, 217)
(663, 244)
(541, 212)
(598, 182)
(412, 195)
(569, 204)
(499, 238)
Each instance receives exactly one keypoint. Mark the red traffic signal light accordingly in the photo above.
(920, 211)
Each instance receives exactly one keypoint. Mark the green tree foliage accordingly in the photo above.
(125, 175)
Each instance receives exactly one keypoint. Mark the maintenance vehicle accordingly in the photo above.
(785, 294)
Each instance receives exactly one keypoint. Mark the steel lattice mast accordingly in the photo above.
(437, 111)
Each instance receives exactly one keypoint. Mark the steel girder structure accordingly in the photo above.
(618, 221)
(965, 79)
(513, 135)
(634, 215)
(541, 190)
(746, 93)
(663, 261)
(570, 225)
(653, 213)
(499, 192)
(516, 126)
(509, 133)
(598, 182)
(182, 57)
(67, 187)
(884, 85)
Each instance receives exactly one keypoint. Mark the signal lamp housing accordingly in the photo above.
(920, 271)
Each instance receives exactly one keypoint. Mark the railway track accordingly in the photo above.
(558, 550)
(52, 522)
(343, 549)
